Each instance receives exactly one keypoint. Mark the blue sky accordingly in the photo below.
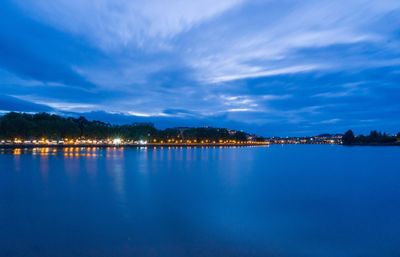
(269, 67)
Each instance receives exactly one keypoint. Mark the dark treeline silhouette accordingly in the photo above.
(374, 138)
(44, 125)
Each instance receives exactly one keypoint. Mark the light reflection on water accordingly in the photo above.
(69, 152)
(162, 153)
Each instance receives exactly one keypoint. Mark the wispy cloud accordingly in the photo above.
(112, 24)
(273, 46)
(255, 72)
(239, 110)
(58, 104)
(330, 121)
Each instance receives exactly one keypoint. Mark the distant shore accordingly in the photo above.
(375, 144)
(375, 138)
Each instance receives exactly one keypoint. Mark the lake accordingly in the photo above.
(292, 200)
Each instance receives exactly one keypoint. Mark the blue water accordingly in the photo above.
(284, 201)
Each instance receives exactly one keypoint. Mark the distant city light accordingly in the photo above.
(117, 141)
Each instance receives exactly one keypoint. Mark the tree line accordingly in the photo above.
(374, 138)
(51, 126)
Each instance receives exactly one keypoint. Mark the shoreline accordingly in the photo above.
(30, 146)
(159, 145)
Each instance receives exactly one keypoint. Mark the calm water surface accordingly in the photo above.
(285, 201)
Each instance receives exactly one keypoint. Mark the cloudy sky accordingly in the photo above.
(271, 67)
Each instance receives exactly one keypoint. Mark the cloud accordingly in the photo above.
(57, 105)
(273, 46)
(276, 66)
(239, 110)
(9, 103)
(258, 72)
(33, 51)
(330, 121)
(121, 23)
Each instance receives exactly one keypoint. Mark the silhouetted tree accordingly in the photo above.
(374, 138)
(348, 138)
(34, 126)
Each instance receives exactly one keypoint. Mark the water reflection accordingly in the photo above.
(44, 166)
(16, 151)
(113, 153)
(68, 152)
(203, 201)
(17, 159)
(170, 152)
(75, 152)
